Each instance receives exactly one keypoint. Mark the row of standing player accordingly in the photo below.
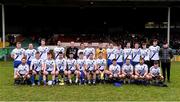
(150, 54)
(111, 53)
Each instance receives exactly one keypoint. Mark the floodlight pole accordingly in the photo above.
(3, 25)
(168, 28)
(3, 28)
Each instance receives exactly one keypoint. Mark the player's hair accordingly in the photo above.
(81, 53)
(136, 43)
(51, 53)
(72, 42)
(43, 39)
(70, 53)
(81, 43)
(89, 42)
(48, 53)
(37, 52)
(100, 52)
(156, 62)
(18, 43)
(90, 53)
(144, 43)
(141, 58)
(155, 40)
(114, 60)
(23, 58)
(165, 42)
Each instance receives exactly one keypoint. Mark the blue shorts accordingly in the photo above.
(120, 64)
(61, 71)
(109, 62)
(130, 61)
(29, 63)
(134, 63)
(91, 71)
(37, 72)
(72, 71)
(16, 64)
(101, 70)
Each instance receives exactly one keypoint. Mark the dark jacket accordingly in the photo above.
(72, 50)
(165, 54)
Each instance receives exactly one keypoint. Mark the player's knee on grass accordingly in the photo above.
(97, 72)
(123, 76)
(110, 76)
(69, 72)
(146, 77)
(76, 72)
(16, 77)
(161, 77)
(108, 72)
(132, 77)
(45, 73)
(52, 73)
(34, 72)
(57, 73)
(65, 73)
(136, 77)
(28, 76)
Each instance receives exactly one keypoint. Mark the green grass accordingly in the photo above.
(9, 92)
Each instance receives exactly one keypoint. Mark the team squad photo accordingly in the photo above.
(120, 64)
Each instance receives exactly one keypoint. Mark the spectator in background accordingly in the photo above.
(72, 49)
(165, 56)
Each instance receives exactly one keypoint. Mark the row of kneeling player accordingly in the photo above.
(85, 71)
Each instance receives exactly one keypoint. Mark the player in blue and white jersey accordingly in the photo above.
(155, 72)
(36, 68)
(88, 50)
(91, 69)
(111, 54)
(136, 54)
(60, 66)
(154, 52)
(127, 52)
(127, 70)
(141, 71)
(43, 49)
(81, 64)
(71, 69)
(30, 53)
(81, 49)
(145, 54)
(49, 68)
(17, 54)
(22, 72)
(120, 55)
(115, 71)
(58, 49)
